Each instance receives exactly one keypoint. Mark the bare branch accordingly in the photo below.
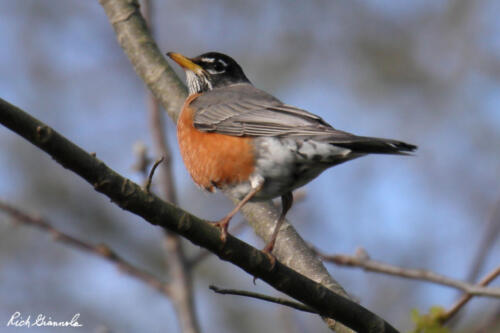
(281, 301)
(134, 37)
(151, 174)
(157, 126)
(467, 296)
(102, 251)
(178, 269)
(131, 197)
(150, 65)
(364, 262)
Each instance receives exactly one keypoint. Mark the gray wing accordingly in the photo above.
(243, 110)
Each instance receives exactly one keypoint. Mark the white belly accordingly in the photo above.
(289, 163)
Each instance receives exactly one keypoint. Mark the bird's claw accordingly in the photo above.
(223, 225)
(271, 258)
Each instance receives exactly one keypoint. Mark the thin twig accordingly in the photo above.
(101, 250)
(281, 301)
(364, 262)
(467, 296)
(151, 174)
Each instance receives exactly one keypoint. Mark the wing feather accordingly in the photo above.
(243, 110)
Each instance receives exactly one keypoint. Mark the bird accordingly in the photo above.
(252, 146)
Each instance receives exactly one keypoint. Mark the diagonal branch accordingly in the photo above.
(467, 296)
(148, 62)
(100, 250)
(203, 254)
(132, 198)
(364, 262)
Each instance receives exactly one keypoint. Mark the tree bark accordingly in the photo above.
(133, 198)
(136, 40)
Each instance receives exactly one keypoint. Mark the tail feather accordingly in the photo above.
(368, 145)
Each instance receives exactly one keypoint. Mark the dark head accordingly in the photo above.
(209, 71)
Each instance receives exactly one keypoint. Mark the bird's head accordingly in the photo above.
(209, 71)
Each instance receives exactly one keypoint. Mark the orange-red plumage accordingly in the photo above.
(285, 147)
(212, 158)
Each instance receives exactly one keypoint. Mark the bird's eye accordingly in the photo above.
(218, 67)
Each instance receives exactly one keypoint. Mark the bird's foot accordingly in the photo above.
(223, 225)
(268, 249)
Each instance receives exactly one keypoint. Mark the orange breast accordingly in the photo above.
(212, 158)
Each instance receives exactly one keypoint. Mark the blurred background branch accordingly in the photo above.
(178, 269)
(132, 198)
(422, 71)
(362, 260)
(135, 39)
(490, 234)
(468, 296)
(101, 250)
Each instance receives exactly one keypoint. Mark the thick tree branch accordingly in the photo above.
(150, 65)
(101, 250)
(290, 248)
(364, 262)
(131, 197)
(203, 254)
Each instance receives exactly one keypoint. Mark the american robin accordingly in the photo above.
(249, 144)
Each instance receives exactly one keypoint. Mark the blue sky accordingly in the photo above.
(382, 69)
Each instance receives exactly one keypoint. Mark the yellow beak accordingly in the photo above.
(185, 62)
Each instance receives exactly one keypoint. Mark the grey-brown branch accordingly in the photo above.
(134, 199)
(100, 250)
(178, 268)
(150, 65)
(368, 264)
(280, 301)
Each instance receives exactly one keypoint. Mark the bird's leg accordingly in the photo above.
(286, 204)
(223, 224)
